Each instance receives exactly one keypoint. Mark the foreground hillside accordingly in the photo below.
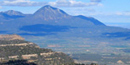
(18, 49)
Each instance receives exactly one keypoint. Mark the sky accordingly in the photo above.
(110, 12)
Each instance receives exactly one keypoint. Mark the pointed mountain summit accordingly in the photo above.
(50, 13)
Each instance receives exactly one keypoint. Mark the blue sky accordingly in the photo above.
(110, 12)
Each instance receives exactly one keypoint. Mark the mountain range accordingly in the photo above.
(57, 28)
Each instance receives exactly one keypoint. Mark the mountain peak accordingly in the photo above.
(49, 13)
(12, 12)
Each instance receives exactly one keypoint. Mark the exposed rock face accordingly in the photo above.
(11, 37)
(17, 48)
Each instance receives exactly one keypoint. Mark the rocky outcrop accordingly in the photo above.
(17, 48)
(11, 37)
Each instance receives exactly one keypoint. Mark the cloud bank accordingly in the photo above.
(73, 3)
(123, 13)
(20, 3)
(59, 3)
(95, 0)
(0, 7)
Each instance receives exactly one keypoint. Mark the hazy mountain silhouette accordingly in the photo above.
(11, 14)
(54, 20)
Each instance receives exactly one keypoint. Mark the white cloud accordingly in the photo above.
(21, 3)
(73, 3)
(0, 7)
(95, 0)
(60, 3)
(110, 13)
(123, 13)
(79, 10)
(119, 13)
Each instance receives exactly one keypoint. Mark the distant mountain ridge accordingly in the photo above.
(45, 17)
(45, 13)
(12, 12)
(48, 16)
(95, 21)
